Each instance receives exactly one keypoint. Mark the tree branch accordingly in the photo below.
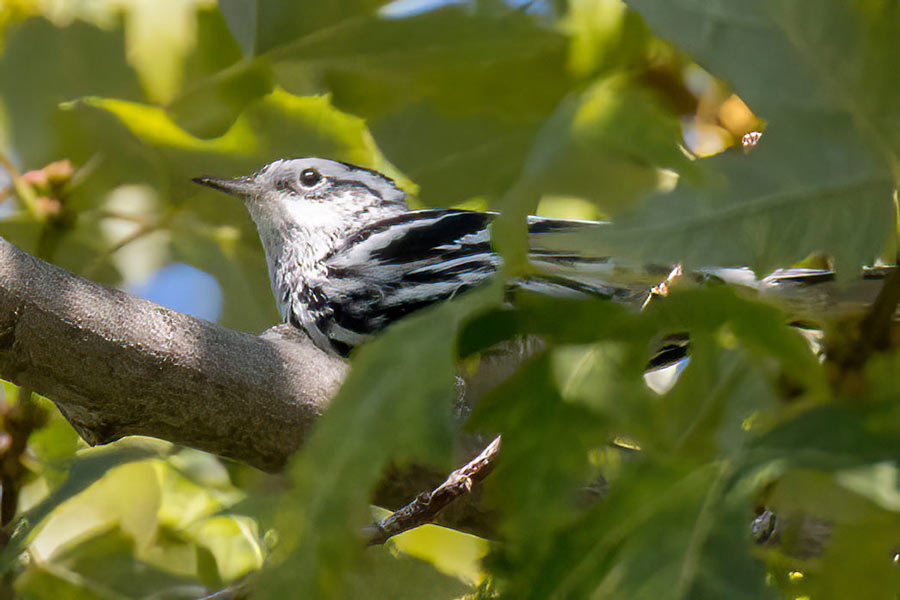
(425, 507)
(117, 365)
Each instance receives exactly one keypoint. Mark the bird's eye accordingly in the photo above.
(309, 177)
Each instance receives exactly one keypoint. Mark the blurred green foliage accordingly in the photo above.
(581, 107)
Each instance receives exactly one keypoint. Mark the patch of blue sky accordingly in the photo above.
(183, 288)
(401, 9)
(7, 203)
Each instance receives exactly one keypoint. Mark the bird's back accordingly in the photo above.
(392, 267)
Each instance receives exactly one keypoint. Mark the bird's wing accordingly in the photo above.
(398, 265)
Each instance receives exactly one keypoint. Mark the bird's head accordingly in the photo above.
(314, 194)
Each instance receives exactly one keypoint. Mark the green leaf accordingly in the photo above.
(877, 482)
(543, 464)
(606, 144)
(242, 18)
(158, 37)
(603, 35)
(395, 404)
(56, 441)
(85, 470)
(761, 327)
(451, 552)
(820, 179)
(230, 546)
(455, 157)
(103, 567)
(273, 127)
(850, 552)
(261, 25)
(458, 124)
(383, 575)
(667, 529)
(562, 320)
(448, 37)
(706, 413)
(762, 214)
(43, 65)
(809, 57)
(218, 83)
(833, 437)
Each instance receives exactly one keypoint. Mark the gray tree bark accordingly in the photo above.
(118, 365)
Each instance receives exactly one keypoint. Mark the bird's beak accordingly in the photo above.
(242, 187)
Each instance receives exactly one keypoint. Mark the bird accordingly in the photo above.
(348, 257)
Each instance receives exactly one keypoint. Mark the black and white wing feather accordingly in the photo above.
(398, 265)
(401, 264)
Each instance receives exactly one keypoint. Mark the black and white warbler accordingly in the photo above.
(347, 257)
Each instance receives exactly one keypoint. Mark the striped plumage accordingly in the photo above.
(347, 257)
(391, 267)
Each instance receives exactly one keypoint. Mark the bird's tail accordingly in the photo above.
(808, 296)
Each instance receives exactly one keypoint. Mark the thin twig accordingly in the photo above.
(91, 269)
(427, 505)
(145, 227)
(236, 590)
(23, 190)
(663, 288)
(141, 220)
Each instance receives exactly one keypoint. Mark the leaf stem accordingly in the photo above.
(145, 228)
(100, 258)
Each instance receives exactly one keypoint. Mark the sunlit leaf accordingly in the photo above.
(85, 471)
(104, 566)
(218, 83)
(451, 552)
(43, 65)
(812, 183)
(383, 576)
(158, 37)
